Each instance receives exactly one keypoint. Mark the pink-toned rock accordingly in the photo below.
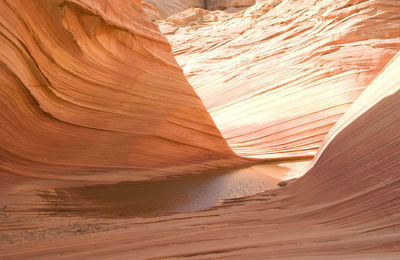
(345, 207)
(86, 86)
(277, 76)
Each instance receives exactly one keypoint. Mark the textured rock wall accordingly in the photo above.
(277, 76)
(89, 90)
(170, 7)
(346, 207)
(354, 176)
(225, 4)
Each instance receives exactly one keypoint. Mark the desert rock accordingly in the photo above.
(277, 76)
(90, 91)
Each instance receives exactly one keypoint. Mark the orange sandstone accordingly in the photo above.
(90, 91)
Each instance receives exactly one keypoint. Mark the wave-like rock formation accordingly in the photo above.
(357, 166)
(89, 90)
(345, 207)
(277, 76)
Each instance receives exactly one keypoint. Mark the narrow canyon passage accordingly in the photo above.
(115, 145)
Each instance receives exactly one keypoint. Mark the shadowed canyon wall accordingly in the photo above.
(89, 90)
(277, 76)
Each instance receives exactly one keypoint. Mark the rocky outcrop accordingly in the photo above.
(170, 7)
(90, 91)
(189, 16)
(226, 4)
(277, 76)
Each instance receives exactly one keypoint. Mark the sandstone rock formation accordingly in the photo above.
(170, 7)
(188, 16)
(357, 163)
(90, 91)
(225, 4)
(345, 207)
(277, 76)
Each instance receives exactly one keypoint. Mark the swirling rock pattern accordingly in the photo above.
(74, 99)
(277, 76)
(345, 207)
(359, 158)
(89, 90)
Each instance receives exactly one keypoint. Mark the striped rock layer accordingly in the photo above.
(277, 76)
(89, 90)
(345, 207)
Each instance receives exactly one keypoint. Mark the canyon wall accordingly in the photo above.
(277, 76)
(354, 179)
(346, 207)
(89, 90)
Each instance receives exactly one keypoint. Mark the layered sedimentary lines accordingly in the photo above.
(91, 86)
(359, 160)
(277, 76)
(90, 91)
(345, 207)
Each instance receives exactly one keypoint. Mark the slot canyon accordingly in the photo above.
(200, 129)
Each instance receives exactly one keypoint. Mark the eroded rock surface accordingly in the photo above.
(170, 7)
(89, 90)
(84, 82)
(345, 207)
(277, 76)
(226, 4)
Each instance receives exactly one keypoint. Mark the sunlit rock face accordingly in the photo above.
(355, 176)
(277, 76)
(89, 90)
(170, 7)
